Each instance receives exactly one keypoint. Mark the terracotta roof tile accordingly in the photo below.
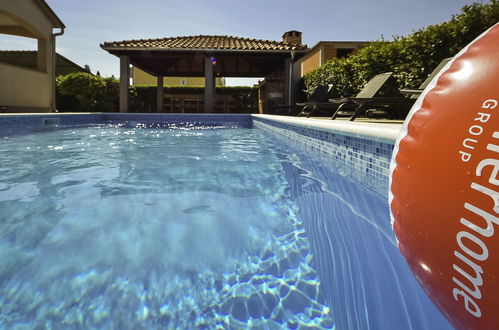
(204, 42)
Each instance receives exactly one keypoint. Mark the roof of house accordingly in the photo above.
(16, 56)
(203, 42)
(50, 13)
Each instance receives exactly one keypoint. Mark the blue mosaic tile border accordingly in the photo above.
(365, 160)
(51, 119)
(217, 120)
(29, 121)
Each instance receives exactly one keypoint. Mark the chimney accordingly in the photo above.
(292, 37)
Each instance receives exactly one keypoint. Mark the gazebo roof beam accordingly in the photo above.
(203, 50)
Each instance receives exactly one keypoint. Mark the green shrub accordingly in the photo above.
(411, 58)
(80, 92)
(85, 92)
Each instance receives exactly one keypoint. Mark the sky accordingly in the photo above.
(92, 22)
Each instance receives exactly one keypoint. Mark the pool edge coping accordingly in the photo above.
(381, 132)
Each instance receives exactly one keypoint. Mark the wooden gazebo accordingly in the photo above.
(208, 56)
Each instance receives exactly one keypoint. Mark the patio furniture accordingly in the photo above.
(414, 93)
(319, 96)
(398, 107)
(357, 105)
(369, 105)
(363, 100)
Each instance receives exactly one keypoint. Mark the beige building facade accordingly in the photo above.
(140, 77)
(323, 51)
(25, 89)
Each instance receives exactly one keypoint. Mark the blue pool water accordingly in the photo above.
(131, 227)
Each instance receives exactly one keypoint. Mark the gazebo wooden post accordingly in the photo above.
(159, 95)
(124, 83)
(293, 79)
(287, 81)
(209, 84)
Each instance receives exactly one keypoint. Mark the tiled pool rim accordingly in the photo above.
(361, 150)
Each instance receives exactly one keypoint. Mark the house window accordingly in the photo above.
(344, 52)
(183, 82)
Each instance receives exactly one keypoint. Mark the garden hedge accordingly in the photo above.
(81, 92)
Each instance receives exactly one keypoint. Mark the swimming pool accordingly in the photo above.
(131, 221)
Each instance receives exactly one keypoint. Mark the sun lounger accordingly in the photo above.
(319, 95)
(414, 93)
(392, 107)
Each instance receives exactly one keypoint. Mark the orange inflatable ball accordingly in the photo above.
(444, 189)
